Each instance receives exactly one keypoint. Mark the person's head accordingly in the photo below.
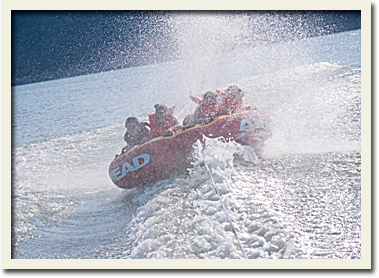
(234, 92)
(132, 125)
(210, 98)
(161, 112)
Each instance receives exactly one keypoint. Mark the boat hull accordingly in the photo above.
(163, 156)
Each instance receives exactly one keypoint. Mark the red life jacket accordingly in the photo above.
(206, 110)
(232, 108)
(159, 129)
(188, 120)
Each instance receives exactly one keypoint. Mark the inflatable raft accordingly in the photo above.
(163, 156)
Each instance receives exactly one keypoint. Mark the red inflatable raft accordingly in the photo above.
(162, 156)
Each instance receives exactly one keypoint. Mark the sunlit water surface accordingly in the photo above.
(300, 199)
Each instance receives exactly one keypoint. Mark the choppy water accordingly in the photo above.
(302, 199)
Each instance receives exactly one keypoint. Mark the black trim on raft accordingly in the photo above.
(188, 126)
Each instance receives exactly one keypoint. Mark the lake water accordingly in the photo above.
(302, 200)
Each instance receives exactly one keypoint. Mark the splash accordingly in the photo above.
(314, 108)
(204, 39)
(200, 228)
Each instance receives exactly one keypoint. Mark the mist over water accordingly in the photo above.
(203, 38)
(300, 199)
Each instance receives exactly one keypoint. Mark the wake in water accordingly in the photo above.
(194, 225)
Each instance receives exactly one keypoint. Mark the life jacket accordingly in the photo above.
(232, 108)
(206, 110)
(159, 129)
(188, 120)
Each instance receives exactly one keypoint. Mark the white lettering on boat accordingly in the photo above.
(252, 123)
(117, 173)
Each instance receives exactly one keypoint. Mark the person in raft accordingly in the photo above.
(163, 122)
(208, 108)
(137, 133)
(231, 100)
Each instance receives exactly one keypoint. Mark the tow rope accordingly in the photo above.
(227, 215)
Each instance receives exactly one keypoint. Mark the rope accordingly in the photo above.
(227, 215)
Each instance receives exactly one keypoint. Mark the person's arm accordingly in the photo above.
(146, 134)
(224, 108)
(172, 130)
(198, 117)
(126, 139)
